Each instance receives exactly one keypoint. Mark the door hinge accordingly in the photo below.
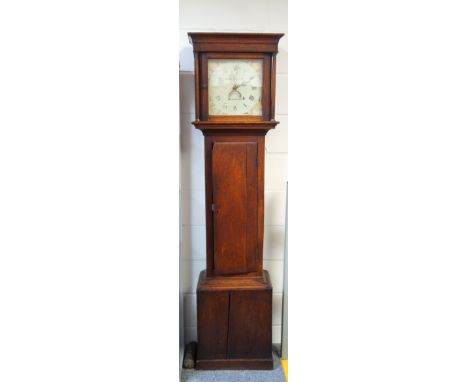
(212, 207)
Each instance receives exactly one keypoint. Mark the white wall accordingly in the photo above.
(239, 16)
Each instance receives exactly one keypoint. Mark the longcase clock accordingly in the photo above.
(235, 108)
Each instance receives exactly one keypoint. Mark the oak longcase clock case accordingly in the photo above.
(235, 98)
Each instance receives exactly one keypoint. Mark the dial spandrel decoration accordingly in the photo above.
(235, 86)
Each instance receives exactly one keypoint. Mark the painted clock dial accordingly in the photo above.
(235, 86)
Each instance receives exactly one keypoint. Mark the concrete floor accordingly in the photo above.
(275, 375)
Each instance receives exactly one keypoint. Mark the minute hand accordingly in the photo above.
(244, 83)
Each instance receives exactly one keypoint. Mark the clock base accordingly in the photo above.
(235, 364)
(234, 323)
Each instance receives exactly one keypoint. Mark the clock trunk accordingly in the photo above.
(234, 211)
(234, 200)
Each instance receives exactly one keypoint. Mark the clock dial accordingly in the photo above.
(235, 86)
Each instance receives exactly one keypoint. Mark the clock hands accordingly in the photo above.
(236, 83)
(235, 93)
(244, 83)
